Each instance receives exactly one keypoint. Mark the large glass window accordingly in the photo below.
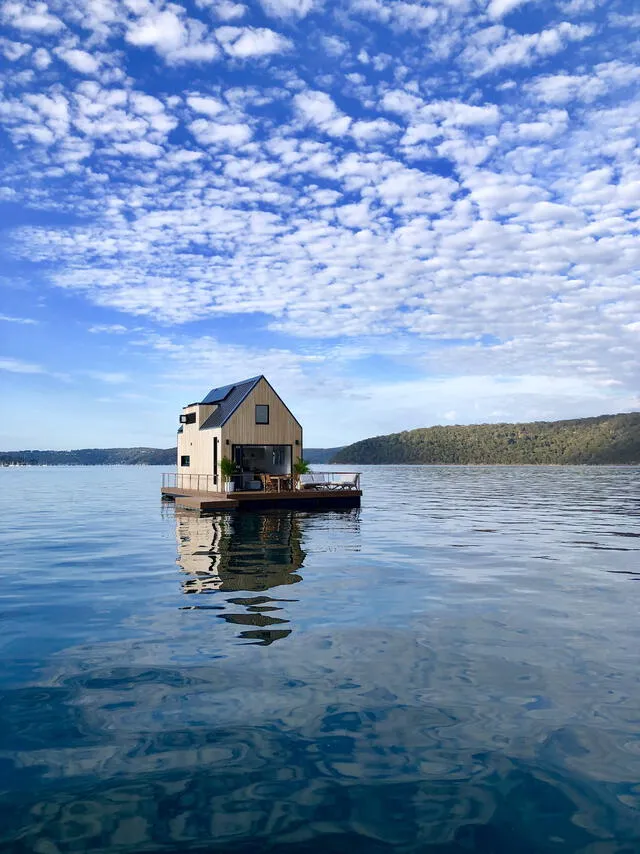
(262, 413)
(269, 459)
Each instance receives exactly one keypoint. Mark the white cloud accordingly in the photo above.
(199, 51)
(354, 216)
(457, 113)
(163, 30)
(631, 21)
(335, 46)
(400, 101)
(22, 320)
(287, 8)
(226, 10)
(13, 51)
(108, 328)
(500, 8)
(371, 131)
(177, 39)
(79, 60)
(414, 16)
(212, 133)
(403, 16)
(247, 42)
(41, 58)
(319, 109)
(565, 88)
(18, 366)
(490, 51)
(207, 106)
(139, 148)
(30, 17)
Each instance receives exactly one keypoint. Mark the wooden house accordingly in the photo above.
(248, 423)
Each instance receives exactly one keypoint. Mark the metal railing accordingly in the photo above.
(331, 480)
(315, 479)
(199, 482)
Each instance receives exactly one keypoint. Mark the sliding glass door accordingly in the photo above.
(263, 459)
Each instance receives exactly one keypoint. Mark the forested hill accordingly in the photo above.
(316, 456)
(122, 456)
(601, 440)
(92, 457)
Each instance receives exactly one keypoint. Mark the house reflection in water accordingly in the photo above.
(244, 552)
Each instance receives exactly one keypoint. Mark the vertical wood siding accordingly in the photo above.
(282, 429)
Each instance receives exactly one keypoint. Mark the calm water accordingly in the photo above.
(455, 667)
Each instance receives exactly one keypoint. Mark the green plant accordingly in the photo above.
(228, 468)
(301, 467)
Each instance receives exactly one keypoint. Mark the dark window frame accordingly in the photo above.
(184, 465)
(262, 406)
(188, 418)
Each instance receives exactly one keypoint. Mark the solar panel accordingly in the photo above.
(228, 398)
(217, 395)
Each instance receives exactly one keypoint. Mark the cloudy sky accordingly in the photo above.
(402, 213)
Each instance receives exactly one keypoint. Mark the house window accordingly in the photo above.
(185, 461)
(262, 413)
(189, 418)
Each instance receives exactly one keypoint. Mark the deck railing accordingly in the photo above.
(332, 479)
(200, 482)
(207, 482)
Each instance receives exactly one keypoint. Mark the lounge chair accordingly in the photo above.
(312, 481)
(344, 482)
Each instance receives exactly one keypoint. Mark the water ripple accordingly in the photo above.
(451, 668)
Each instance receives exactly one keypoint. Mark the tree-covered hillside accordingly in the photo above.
(317, 456)
(605, 439)
(92, 457)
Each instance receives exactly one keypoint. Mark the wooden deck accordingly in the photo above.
(192, 499)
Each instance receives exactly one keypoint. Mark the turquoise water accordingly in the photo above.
(454, 667)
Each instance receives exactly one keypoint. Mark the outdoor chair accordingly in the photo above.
(344, 482)
(312, 481)
(269, 485)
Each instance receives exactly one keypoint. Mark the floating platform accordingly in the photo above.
(193, 499)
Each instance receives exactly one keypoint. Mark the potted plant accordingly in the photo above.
(300, 467)
(228, 468)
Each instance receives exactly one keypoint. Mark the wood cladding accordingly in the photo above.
(282, 429)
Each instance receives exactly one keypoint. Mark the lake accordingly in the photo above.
(453, 667)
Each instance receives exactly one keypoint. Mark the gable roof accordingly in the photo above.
(228, 398)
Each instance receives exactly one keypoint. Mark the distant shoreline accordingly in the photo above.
(603, 440)
(366, 465)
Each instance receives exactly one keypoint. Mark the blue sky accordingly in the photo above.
(402, 213)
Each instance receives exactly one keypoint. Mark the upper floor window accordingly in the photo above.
(188, 418)
(185, 461)
(262, 413)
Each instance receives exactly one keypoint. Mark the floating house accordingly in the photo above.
(248, 425)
